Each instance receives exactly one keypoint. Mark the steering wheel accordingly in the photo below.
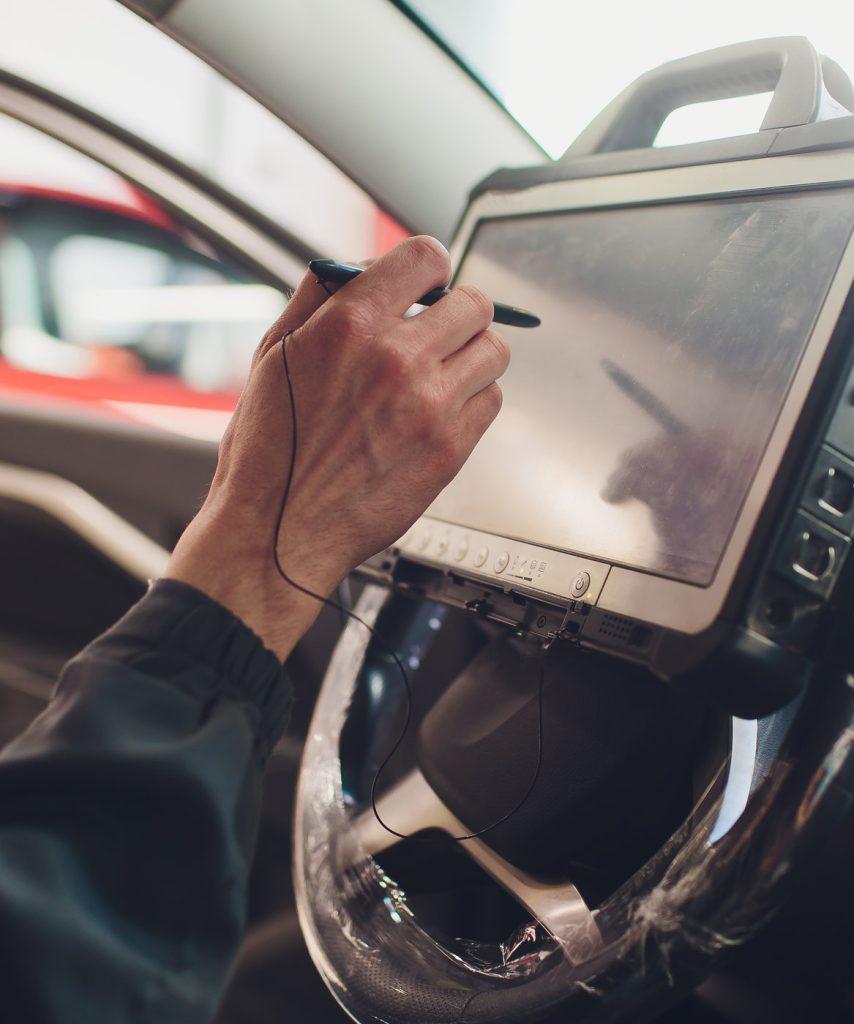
(716, 874)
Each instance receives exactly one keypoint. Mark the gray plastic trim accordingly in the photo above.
(304, 62)
(787, 64)
(151, 10)
(813, 137)
(822, 135)
(601, 165)
(85, 516)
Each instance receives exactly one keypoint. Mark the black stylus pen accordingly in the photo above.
(333, 272)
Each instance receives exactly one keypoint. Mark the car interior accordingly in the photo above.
(580, 745)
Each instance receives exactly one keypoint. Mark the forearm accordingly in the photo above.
(129, 808)
(129, 812)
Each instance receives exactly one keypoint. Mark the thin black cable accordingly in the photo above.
(386, 647)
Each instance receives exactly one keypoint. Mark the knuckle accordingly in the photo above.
(350, 318)
(271, 336)
(501, 349)
(397, 366)
(270, 340)
(427, 250)
(426, 415)
(480, 303)
(260, 351)
(445, 458)
(493, 398)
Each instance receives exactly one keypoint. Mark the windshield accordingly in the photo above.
(554, 64)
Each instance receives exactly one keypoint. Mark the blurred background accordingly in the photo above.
(106, 301)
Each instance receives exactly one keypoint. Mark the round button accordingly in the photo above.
(502, 561)
(443, 544)
(461, 549)
(580, 584)
(481, 556)
(424, 540)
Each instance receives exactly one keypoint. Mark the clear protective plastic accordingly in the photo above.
(695, 898)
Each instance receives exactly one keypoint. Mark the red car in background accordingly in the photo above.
(106, 300)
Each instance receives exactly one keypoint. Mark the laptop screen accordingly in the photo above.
(636, 415)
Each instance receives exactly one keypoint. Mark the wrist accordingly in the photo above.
(235, 567)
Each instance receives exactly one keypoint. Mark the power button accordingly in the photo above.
(580, 585)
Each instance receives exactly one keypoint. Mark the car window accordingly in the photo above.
(133, 74)
(133, 308)
(106, 299)
(555, 65)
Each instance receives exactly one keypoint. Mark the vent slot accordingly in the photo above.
(617, 628)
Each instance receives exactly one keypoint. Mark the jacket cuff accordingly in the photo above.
(180, 635)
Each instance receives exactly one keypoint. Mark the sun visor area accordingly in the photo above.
(273, 49)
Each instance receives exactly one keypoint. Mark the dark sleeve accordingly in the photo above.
(128, 813)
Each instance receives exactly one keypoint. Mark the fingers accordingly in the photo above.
(477, 365)
(477, 414)
(392, 283)
(305, 301)
(447, 326)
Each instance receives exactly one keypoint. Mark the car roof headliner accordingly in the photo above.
(366, 86)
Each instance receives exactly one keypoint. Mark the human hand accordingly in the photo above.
(388, 409)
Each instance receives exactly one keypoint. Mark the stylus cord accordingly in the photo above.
(286, 491)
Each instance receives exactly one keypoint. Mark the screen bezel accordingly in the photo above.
(638, 593)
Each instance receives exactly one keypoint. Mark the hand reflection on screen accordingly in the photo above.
(691, 485)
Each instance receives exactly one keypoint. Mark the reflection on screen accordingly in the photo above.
(635, 417)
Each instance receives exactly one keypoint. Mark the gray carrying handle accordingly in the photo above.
(806, 88)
